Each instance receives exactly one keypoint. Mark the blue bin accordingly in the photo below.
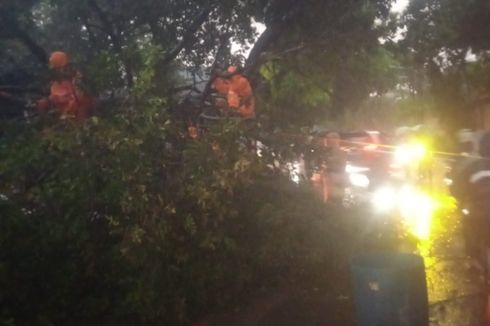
(390, 290)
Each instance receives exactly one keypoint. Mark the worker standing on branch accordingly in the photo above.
(66, 92)
(238, 92)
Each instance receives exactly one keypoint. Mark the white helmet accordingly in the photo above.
(402, 131)
(466, 136)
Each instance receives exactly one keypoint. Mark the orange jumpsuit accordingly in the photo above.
(66, 97)
(239, 94)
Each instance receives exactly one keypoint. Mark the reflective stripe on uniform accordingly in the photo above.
(479, 175)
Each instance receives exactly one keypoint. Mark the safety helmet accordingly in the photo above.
(58, 59)
(465, 136)
(193, 132)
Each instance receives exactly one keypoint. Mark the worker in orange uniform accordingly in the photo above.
(329, 177)
(238, 91)
(336, 161)
(193, 131)
(66, 93)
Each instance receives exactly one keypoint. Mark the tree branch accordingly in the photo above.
(110, 30)
(19, 89)
(191, 87)
(269, 36)
(277, 24)
(91, 35)
(32, 45)
(187, 37)
(212, 78)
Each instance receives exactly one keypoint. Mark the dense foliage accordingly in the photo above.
(445, 51)
(124, 216)
(321, 45)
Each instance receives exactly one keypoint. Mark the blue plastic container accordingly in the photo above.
(390, 290)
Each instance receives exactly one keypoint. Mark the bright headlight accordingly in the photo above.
(414, 206)
(408, 153)
(417, 209)
(355, 169)
(385, 199)
(359, 180)
(294, 171)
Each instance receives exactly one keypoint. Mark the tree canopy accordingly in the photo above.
(126, 216)
(446, 53)
(321, 44)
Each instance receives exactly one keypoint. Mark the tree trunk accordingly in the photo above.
(269, 36)
(189, 33)
(35, 48)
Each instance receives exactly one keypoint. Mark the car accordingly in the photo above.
(367, 147)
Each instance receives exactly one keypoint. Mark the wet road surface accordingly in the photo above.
(455, 287)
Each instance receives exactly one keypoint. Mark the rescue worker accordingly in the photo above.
(336, 162)
(316, 158)
(67, 95)
(192, 131)
(472, 189)
(461, 170)
(238, 92)
(476, 220)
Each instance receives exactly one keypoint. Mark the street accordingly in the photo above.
(455, 295)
